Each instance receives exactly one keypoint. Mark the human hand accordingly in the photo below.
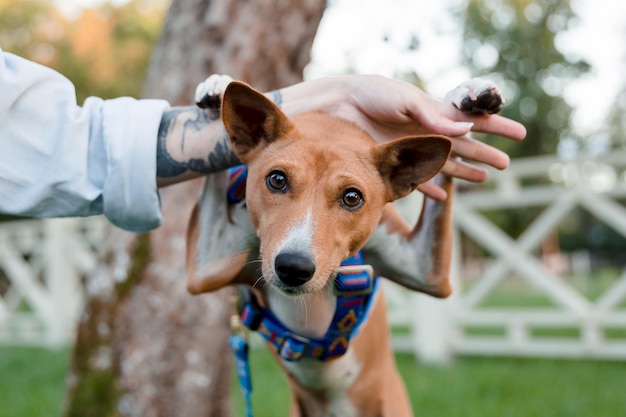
(389, 109)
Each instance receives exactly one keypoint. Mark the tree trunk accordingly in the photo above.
(144, 346)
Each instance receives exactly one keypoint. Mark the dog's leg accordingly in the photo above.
(220, 239)
(419, 258)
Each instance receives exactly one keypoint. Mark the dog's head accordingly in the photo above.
(317, 185)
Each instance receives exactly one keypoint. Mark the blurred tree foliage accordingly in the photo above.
(103, 50)
(513, 43)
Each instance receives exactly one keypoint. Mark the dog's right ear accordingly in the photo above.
(407, 162)
(251, 119)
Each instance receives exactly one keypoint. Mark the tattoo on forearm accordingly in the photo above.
(167, 166)
(219, 158)
(222, 156)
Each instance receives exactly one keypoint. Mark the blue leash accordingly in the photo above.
(241, 349)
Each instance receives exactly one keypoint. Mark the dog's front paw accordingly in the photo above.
(476, 96)
(210, 91)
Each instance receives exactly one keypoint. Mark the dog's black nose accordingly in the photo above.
(294, 269)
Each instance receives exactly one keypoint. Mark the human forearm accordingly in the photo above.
(329, 94)
(190, 144)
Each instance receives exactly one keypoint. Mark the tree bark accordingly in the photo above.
(145, 347)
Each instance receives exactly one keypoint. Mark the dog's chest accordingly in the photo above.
(337, 375)
(331, 379)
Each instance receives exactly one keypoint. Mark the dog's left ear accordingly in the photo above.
(407, 162)
(251, 119)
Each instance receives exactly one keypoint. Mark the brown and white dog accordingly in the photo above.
(318, 191)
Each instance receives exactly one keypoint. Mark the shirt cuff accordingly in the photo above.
(130, 197)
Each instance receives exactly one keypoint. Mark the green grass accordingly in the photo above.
(477, 387)
(32, 381)
(487, 387)
(32, 384)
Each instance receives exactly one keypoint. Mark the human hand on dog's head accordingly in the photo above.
(389, 109)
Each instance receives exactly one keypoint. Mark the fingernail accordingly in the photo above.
(464, 125)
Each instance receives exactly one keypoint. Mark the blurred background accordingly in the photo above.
(537, 323)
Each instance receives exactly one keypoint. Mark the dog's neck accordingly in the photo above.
(307, 315)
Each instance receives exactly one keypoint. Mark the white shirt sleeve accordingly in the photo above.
(59, 159)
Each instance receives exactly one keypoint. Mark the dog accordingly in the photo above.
(315, 229)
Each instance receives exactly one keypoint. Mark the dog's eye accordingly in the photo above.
(352, 199)
(277, 181)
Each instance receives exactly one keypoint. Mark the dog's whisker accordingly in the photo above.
(253, 261)
(304, 306)
(261, 280)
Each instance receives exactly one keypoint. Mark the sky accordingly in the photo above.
(351, 37)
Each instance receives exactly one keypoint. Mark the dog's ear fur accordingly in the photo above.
(251, 119)
(407, 162)
(220, 240)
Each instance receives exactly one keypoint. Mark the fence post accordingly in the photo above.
(430, 330)
(61, 279)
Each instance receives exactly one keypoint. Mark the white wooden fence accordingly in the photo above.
(570, 324)
(41, 264)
